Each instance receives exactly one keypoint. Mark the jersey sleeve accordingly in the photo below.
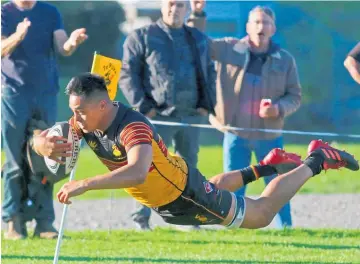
(76, 127)
(58, 20)
(136, 133)
(355, 52)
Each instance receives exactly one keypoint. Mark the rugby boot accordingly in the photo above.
(281, 160)
(332, 158)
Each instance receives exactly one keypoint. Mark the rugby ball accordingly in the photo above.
(63, 129)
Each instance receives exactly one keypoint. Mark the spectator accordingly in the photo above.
(167, 74)
(29, 75)
(257, 88)
(352, 63)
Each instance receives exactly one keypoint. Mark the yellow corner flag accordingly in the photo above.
(109, 69)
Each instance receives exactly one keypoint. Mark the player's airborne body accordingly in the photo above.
(169, 179)
(139, 162)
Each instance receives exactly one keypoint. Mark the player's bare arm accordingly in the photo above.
(134, 173)
(67, 45)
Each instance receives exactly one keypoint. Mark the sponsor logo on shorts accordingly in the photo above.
(207, 186)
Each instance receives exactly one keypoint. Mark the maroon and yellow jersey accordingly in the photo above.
(168, 173)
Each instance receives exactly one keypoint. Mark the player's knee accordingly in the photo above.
(259, 213)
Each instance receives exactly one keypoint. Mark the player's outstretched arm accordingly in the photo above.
(134, 173)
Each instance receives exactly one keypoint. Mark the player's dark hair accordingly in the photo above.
(86, 84)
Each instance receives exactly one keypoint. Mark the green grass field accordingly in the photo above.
(210, 163)
(170, 246)
(205, 246)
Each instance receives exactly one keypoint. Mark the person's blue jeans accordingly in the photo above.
(186, 144)
(17, 109)
(237, 155)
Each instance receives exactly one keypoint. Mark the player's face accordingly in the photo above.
(88, 114)
(260, 27)
(173, 12)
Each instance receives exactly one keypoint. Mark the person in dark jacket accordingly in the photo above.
(168, 75)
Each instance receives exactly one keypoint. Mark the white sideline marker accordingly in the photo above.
(63, 218)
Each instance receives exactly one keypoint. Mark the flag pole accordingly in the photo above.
(93, 64)
(63, 218)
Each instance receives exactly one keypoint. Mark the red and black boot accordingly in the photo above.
(281, 161)
(323, 156)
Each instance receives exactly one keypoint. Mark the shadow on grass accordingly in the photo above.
(156, 260)
(274, 244)
(288, 232)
